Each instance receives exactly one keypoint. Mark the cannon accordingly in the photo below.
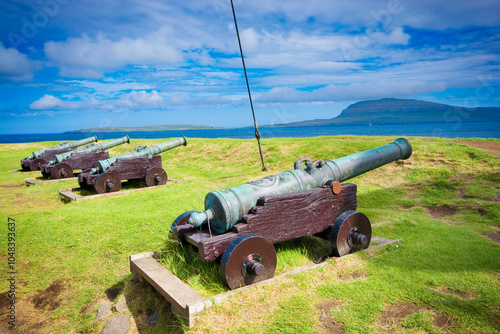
(38, 158)
(83, 158)
(141, 163)
(240, 225)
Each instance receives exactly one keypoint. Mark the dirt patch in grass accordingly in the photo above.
(50, 298)
(462, 193)
(495, 236)
(10, 188)
(440, 211)
(24, 201)
(463, 295)
(390, 320)
(494, 199)
(29, 319)
(32, 313)
(352, 276)
(441, 322)
(491, 147)
(327, 322)
(480, 211)
(4, 312)
(393, 313)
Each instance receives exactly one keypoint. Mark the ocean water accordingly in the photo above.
(443, 130)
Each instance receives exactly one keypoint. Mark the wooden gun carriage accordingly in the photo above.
(240, 225)
(63, 165)
(35, 161)
(142, 163)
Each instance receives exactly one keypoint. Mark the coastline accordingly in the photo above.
(440, 130)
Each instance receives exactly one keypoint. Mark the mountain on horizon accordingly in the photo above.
(383, 111)
(403, 111)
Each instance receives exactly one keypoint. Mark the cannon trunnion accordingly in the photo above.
(240, 225)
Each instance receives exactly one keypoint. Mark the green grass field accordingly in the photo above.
(444, 277)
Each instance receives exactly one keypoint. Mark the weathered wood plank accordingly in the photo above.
(84, 160)
(179, 294)
(134, 167)
(306, 213)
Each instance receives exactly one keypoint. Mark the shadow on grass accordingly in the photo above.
(152, 313)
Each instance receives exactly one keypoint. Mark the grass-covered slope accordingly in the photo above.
(443, 277)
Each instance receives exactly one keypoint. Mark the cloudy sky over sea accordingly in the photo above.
(68, 64)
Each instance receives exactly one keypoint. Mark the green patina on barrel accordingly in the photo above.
(64, 145)
(224, 208)
(141, 151)
(90, 148)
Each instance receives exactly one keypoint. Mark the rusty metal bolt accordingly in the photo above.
(256, 268)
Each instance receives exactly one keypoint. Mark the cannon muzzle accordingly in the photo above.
(65, 145)
(90, 148)
(142, 151)
(223, 209)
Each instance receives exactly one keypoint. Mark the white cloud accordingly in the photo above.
(47, 102)
(15, 66)
(140, 99)
(108, 85)
(178, 99)
(350, 92)
(250, 39)
(86, 57)
(314, 52)
(427, 14)
(135, 99)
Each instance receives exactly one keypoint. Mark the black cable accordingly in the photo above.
(257, 133)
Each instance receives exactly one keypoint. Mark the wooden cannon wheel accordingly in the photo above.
(351, 232)
(37, 164)
(248, 259)
(155, 176)
(181, 219)
(61, 171)
(107, 182)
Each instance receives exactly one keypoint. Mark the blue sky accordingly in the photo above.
(68, 64)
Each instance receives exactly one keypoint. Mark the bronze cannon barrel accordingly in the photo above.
(224, 208)
(91, 148)
(65, 145)
(142, 151)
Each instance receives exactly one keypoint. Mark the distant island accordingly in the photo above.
(400, 111)
(151, 128)
(384, 111)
